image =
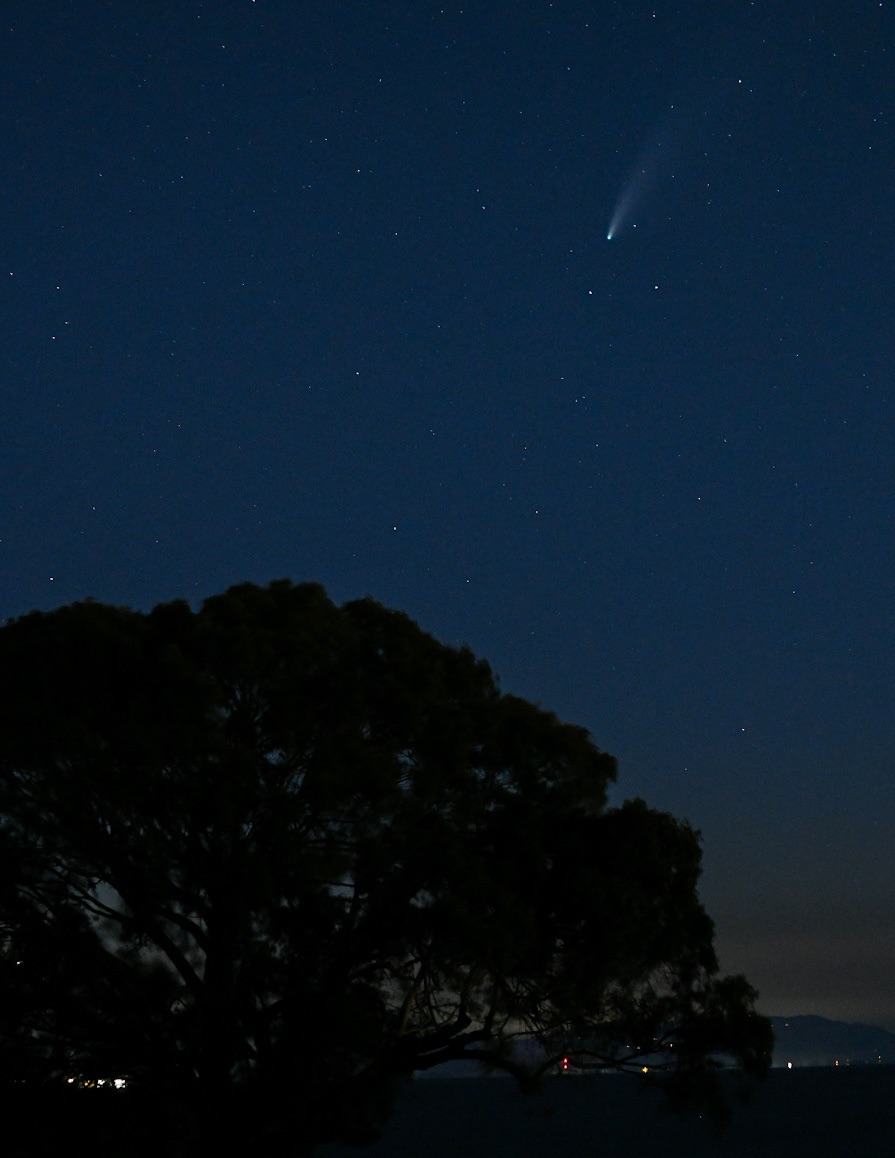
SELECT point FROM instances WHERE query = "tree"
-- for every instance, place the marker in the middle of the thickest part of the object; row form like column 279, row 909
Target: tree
column 274, row 856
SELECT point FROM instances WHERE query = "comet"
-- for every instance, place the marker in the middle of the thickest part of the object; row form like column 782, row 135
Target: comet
column 653, row 160
column 632, row 190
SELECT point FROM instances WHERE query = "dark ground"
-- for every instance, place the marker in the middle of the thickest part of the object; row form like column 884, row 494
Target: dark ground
column 802, row 1113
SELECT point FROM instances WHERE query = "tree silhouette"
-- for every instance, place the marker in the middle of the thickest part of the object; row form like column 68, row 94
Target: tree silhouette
column 272, row 857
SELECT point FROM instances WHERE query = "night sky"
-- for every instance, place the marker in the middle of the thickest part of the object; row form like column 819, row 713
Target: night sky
column 323, row 289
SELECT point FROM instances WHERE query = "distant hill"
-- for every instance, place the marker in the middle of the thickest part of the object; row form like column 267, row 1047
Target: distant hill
column 816, row 1041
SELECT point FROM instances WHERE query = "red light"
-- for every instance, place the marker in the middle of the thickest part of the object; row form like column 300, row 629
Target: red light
column 565, row 1063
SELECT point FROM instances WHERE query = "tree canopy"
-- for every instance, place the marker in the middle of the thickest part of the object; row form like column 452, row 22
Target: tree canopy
column 273, row 856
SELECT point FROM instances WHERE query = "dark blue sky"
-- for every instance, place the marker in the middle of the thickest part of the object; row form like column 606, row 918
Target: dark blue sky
column 323, row 289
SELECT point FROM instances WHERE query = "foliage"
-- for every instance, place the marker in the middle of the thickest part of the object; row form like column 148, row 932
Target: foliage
column 272, row 857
